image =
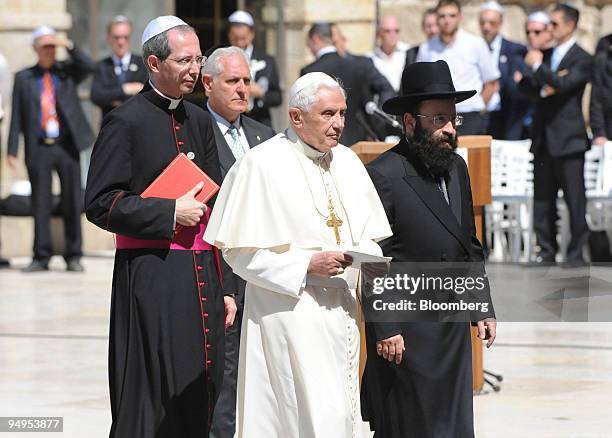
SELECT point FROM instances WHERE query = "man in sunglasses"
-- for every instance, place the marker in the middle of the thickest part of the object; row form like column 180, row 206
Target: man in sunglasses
column 556, row 80
column 537, row 30
column 418, row 377
column 172, row 297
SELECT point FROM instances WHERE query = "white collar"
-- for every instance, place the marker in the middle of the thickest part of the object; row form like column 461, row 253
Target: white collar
column 399, row 47
column 173, row 102
column 496, row 43
column 305, row 148
column 222, row 121
column 325, row 51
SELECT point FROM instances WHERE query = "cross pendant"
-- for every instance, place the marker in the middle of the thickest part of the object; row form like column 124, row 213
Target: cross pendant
column 335, row 222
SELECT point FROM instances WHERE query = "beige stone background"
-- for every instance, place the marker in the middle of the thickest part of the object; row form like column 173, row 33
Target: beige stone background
column 284, row 24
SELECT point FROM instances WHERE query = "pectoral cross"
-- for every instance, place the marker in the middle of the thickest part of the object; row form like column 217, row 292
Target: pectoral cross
column 335, row 222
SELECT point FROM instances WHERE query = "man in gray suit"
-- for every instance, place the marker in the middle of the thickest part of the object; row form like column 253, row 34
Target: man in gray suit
column 227, row 80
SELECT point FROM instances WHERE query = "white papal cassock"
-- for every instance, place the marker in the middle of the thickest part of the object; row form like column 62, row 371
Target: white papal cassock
column 299, row 350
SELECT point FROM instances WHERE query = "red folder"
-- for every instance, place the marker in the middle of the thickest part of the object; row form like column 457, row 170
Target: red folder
column 180, row 176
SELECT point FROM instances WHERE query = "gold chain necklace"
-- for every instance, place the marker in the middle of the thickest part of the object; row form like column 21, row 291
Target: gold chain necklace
column 331, row 219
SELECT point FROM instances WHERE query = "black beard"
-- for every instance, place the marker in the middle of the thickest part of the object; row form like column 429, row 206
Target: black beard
column 434, row 153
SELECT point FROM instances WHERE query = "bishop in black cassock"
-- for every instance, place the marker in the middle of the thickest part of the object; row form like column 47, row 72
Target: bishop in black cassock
column 167, row 312
column 167, row 321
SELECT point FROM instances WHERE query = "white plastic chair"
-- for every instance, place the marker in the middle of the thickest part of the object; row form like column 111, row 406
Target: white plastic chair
column 509, row 218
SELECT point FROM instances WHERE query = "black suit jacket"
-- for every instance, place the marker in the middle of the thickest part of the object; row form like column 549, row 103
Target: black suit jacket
column 558, row 123
column 514, row 105
column 378, row 85
column 75, row 129
column 425, row 227
column 255, row 133
column 601, row 96
column 266, row 76
column 106, row 91
column 352, row 76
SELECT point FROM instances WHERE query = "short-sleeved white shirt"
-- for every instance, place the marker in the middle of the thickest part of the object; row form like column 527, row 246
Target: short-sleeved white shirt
column 470, row 63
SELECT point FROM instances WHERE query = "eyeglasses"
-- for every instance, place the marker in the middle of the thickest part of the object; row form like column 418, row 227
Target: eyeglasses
column 440, row 120
column 184, row 62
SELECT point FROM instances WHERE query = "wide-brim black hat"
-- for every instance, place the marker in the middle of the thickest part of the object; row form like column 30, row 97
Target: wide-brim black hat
column 425, row 81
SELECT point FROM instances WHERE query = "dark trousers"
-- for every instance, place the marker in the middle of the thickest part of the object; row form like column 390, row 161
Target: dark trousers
column 65, row 161
column 224, row 416
column 550, row 175
column 474, row 123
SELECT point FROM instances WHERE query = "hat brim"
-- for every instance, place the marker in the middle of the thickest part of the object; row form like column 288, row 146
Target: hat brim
column 398, row 105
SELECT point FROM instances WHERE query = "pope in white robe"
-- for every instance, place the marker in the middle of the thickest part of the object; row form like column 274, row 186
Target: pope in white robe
column 286, row 214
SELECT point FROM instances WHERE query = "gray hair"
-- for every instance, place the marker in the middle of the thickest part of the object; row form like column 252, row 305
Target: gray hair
column 159, row 44
column 213, row 66
column 303, row 92
column 118, row 19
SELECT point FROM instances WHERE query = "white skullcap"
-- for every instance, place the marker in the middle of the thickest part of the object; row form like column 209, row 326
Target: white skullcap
column 160, row 25
column 492, row 6
column 539, row 17
column 309, row 79
column 41, row 31
column 241, row 17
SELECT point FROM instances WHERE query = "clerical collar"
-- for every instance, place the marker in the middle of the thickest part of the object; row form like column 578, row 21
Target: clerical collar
column 306, row 149
column 173, row 103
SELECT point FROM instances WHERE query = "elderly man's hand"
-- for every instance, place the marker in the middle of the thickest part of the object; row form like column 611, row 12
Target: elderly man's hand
column 391, row 348
column 600, row 141
column 487, row 329
column 230, row 310
column 329, row 263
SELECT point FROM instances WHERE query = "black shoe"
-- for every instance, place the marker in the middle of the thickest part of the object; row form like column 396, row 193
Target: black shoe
column 4, row 263
column 74, row 265
column 37, row 266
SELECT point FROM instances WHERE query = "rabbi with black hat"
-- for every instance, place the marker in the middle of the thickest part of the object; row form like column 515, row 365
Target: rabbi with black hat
column 418, row 377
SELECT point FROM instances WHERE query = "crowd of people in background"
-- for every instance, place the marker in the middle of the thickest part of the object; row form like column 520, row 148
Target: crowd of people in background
column 517, row 85
column 521, row 92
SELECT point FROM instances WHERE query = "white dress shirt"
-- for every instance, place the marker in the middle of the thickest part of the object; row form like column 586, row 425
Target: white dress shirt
column 121, row 64
column 494, row 103
column 470, row 62
column 391, row 66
